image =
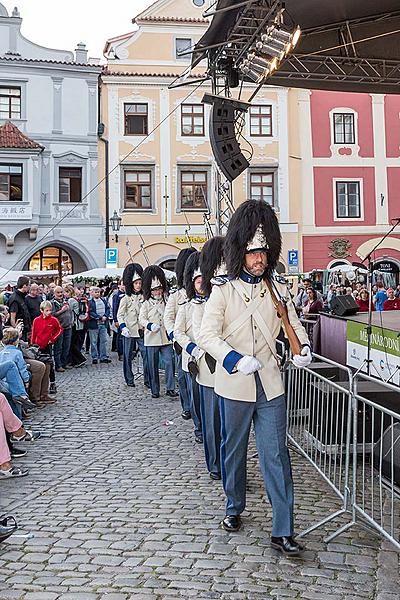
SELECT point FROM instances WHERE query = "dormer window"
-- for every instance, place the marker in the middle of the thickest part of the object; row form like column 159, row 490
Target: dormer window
column 10, row 103
column 181, row 45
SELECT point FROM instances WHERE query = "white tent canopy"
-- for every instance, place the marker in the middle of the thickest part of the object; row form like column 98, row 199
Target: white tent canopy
column 11, row 277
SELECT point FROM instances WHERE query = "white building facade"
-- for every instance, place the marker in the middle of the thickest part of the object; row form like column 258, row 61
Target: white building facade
column 49, row 215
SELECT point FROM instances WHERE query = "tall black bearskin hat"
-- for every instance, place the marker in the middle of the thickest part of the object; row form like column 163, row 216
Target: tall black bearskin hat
column 253, row 218
column 211, row 258
column 132, row 272
column 190, row 273
column 151, row 275
column 180, row 264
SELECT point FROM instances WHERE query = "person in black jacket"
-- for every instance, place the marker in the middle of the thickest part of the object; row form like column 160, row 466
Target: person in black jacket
column 18, row 308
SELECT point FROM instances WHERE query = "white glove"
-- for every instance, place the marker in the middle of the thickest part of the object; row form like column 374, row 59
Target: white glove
column 155, row 327
column 197, row 353
column 125, row 332
column 303, row 359
column 248, row 365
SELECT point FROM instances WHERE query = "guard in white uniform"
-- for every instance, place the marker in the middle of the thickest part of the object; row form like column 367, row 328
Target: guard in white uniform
column 175, row 299
column 239, row 329
column 128, row 319
column 151, row 318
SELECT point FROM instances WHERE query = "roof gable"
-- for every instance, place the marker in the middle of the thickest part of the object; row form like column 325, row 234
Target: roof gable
column 173, row 10
column 12, row 137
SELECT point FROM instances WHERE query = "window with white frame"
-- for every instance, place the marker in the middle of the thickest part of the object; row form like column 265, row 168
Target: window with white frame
column 10, row 182
column 193, row 189
column 10, row 103
column 137, row 189
column 136, row 118
column 262, row 186
column 343, row 128
column 181, row 45
column 261, row 120
column 348, row 200
column 192, row 119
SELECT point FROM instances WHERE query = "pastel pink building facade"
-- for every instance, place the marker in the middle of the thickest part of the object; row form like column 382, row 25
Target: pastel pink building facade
column 350, row 153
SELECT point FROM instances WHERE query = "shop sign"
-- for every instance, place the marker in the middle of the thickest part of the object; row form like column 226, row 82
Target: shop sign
column 194, row 239
column 385, row 350
column 386, row 267
column 9, row 213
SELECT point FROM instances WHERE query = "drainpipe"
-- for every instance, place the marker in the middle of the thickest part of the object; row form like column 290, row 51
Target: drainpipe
column 100, row 131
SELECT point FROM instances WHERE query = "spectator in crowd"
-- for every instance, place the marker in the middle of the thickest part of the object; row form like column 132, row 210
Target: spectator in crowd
column 80, row 314
column 17, row 306
column 349, row 291
column 46, row 329
column 156, row 341
column 302, row 297
column 75, row 358
column 397, row 292
column 363, row 301
column 41, row 292
column 62, row 311
column 33, row 300
column 313, row 305
column 12, row 384
column 99, row 313
column 116, row 297
column 380, row 297
column 392, row 303
column 10, row 423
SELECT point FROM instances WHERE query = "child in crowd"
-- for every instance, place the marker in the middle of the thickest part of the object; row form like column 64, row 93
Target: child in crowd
column 151, row 318
column 45, row 328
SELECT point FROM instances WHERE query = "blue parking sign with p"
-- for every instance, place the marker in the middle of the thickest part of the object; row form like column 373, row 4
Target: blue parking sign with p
column 293, row 258
column 112, row 256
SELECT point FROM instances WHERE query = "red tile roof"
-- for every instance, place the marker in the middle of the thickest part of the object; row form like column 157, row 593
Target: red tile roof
column 12, row 137
column 170, row 20
column 107, row 71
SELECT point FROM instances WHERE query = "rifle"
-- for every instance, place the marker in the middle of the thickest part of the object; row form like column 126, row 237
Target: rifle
column 282, row 312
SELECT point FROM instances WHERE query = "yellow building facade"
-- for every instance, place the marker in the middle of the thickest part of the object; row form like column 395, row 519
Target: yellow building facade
column 163, row 175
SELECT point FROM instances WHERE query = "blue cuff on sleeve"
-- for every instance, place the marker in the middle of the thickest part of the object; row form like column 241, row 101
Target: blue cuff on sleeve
column 230, row 360
column 190, row 347
column 148, row 326
column 122, row 325
column 171, row 336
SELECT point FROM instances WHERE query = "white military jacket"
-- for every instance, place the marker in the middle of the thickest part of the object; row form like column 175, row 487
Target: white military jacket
column 152, row 311
column 175, row 299
column 128, row 313
column 183, row 333
column 205, row 377
column 229, row 331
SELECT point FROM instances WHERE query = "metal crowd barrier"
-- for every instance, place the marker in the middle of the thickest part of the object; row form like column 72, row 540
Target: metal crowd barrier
column 319, row 425
column 376, row 461
column 352, row 441
column 310, row 324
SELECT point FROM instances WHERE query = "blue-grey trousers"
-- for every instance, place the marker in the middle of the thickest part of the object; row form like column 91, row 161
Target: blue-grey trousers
column 269, row 418
column 211, row 427
column 153, row 356
column 130, row 345
column 184, row 393
column 194, row 406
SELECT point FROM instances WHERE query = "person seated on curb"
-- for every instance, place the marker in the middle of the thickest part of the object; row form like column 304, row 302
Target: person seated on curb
column 11, row 352
column 9, row 422
column 12, row 382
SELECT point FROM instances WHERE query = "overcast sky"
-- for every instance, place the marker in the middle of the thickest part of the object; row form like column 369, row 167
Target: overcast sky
column 62, row 24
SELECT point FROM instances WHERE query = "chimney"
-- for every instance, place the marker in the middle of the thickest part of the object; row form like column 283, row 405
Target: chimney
column 81, row 54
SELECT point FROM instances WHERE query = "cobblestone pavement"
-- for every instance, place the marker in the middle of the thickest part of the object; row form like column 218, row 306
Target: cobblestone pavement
column 121, row 507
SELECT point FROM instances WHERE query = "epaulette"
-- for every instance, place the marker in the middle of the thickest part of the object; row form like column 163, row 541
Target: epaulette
column 281, row 279
column 182, row 303
column 199, row 300
column 173, row 291
column 220, row 280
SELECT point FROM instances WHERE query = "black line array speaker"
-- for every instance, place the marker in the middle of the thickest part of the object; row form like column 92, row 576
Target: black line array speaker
column 344, row 306
column 225, row 146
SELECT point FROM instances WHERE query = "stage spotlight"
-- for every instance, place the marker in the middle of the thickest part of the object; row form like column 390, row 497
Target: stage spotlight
column 271, row 47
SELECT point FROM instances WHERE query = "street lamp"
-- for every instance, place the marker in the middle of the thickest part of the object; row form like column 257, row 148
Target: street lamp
column 115, row 221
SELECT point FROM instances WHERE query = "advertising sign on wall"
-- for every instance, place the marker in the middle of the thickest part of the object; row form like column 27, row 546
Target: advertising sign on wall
column 385, row 350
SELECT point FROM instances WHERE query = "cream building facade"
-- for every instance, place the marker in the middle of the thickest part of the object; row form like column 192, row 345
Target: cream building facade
column 163, row 174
